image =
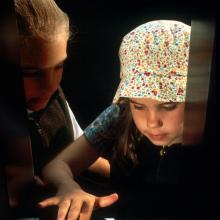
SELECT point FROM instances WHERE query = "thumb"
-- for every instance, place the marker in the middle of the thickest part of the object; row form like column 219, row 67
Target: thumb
column 105, row 201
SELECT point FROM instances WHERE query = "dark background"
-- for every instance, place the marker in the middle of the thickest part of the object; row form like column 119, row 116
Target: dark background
column 91, row 73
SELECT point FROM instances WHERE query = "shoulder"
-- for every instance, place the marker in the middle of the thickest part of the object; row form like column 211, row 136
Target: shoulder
column 100, row 128
column 108, row 117
column 112, row 111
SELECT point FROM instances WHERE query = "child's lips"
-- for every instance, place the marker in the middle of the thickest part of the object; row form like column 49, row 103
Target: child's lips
column 159, row 136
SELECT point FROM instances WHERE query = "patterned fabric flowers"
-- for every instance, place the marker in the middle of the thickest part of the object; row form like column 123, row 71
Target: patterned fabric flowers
column 154, row 61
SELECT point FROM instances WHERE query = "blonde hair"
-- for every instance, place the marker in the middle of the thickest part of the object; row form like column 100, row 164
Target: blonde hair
column 40, row 19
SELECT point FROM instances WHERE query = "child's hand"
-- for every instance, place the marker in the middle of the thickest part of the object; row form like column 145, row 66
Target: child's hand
column 77, row 204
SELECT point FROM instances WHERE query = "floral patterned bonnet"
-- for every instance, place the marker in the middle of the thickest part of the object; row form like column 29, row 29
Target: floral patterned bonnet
column 154, row 61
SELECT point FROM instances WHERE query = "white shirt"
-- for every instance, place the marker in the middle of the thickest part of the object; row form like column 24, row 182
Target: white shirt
column 77, row 131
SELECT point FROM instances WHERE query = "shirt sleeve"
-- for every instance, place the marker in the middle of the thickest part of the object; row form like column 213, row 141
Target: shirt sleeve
column 77, row 131
column 97, row 132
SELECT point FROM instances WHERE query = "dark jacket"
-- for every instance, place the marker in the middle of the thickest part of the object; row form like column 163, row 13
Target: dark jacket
column 50, row 130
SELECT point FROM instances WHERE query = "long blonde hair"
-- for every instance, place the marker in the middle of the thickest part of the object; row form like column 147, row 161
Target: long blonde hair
column 40, row 19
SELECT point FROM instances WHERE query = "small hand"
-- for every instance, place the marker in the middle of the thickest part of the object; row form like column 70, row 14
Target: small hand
column 78, row 205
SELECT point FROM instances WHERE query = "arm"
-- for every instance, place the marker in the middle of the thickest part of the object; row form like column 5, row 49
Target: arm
column 71, row 199
column 100, row 166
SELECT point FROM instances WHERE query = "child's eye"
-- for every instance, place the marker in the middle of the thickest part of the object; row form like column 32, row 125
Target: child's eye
column 169, row 107
column 138, row 107
column 31, row 74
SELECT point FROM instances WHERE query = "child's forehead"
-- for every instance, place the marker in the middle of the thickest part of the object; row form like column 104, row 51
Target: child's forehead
column 43, row 55
column 148, row 101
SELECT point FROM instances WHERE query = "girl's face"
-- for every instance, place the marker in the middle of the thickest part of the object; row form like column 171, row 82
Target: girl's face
column 42, row 67
column 160, row 122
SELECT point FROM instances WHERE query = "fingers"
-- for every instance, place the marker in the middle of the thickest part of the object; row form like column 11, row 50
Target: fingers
column 63, row 209
column 105, row 201
column 49, row 202
column 86, row 210
column 74, row 211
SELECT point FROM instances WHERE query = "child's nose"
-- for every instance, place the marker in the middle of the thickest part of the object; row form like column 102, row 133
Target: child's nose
column 153, row 120
column 50, row 82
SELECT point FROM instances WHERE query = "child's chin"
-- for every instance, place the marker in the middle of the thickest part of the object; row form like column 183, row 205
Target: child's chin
column 159, row 143
column 37, row 106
